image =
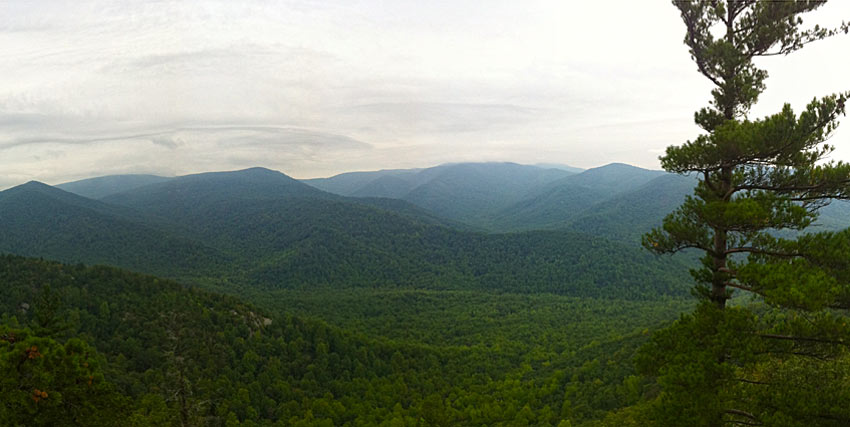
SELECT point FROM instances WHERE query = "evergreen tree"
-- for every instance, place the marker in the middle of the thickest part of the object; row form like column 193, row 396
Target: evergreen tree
column 762, row 182
column 47, row 383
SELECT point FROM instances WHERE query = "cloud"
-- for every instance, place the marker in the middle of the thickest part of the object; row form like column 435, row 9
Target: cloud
column 189, row 149
column 281, row 135
column 196, row 56
column 167, row 142
column 435, row 117
column 320, row 87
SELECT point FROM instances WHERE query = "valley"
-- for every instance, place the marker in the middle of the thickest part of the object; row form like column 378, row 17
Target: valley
column 307, row 213
column 463, row 301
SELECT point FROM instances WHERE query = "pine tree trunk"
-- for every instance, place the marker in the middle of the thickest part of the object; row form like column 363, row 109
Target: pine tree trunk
column 718, row 283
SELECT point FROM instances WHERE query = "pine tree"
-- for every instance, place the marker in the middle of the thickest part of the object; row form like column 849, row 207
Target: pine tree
column 47, row 383
column 761, row 184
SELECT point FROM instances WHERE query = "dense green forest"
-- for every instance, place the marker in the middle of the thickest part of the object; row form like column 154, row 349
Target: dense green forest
column 342, row 311
column 137, row 350
column 349, row 311
column 365, row 312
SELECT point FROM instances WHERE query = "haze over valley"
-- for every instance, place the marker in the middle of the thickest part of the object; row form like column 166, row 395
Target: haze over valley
column 434, row 266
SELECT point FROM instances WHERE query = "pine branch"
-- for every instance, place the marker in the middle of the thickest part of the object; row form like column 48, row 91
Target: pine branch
column 743, row 288
column 755, row 250
column 695, row 46
column 785, row 189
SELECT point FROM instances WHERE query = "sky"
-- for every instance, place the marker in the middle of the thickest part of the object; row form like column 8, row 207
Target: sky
column 314, row 88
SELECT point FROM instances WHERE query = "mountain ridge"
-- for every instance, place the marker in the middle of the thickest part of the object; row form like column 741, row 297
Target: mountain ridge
column 103, row 186
column 296, row 241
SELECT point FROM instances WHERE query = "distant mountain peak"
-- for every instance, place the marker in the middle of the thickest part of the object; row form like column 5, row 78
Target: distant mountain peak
column 185, row 193
column 560, row 166
column 38, row 191
column 34, row 186
column 618, row 165
column 253, row 172
column 259, row 169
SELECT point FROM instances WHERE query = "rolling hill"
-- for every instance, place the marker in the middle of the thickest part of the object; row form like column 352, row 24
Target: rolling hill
column 43, row 221
column 629, row 215
column 456, row 320
column 615, row 201
column 261, row 228
column 368, row 265
column 184, row 194
column 557, row 203
column 465, row 192
column 248, row 184
column 501, row 197
column 351, row 183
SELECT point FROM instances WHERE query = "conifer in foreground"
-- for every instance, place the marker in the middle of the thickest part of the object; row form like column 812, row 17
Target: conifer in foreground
column 779, row 357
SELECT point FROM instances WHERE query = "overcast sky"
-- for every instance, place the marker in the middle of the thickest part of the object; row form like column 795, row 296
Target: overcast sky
column 314, row 88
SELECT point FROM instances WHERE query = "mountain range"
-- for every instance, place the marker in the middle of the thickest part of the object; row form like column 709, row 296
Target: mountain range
column 258, row 227
column 616, row 201
column 491, row 226
column 513, row 288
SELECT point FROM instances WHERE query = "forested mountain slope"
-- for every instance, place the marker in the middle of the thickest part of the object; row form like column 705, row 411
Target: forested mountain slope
column 628, row 216
column 199, row 189
column 556, row 204
column 834, row 216
column 193, row 192
column 466, row 192
column 616, row 201
column 534, row 327
column 504, row 196
column 40, row 220
column 295, row 242
column 190, row 358
column 352, row 183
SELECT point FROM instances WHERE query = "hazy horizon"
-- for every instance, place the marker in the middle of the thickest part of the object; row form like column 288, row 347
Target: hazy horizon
column 540, row 165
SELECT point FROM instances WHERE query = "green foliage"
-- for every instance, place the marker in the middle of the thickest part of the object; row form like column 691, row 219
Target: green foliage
column 561, row 203
column 169, row 355
column 455, row 323
column 737, row 365
column 626, row 217
column 47, row 383
column 511, row 323
column 759, row 180
column 692, row 372
column 39, row 220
